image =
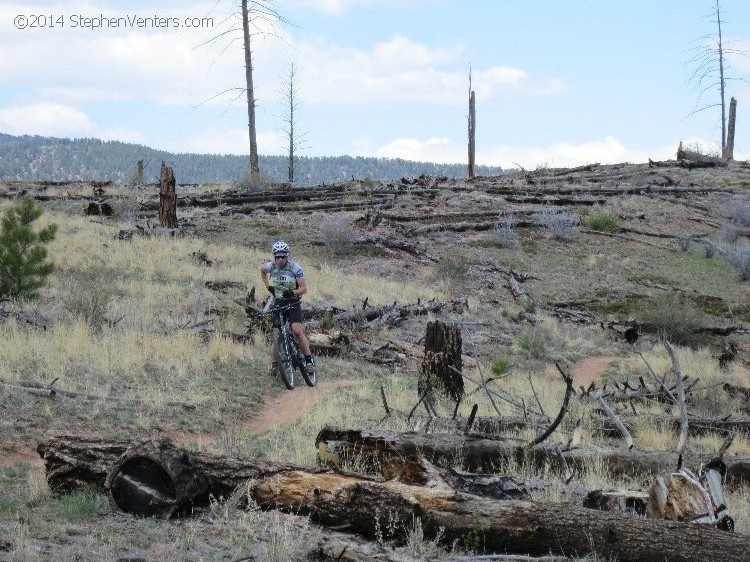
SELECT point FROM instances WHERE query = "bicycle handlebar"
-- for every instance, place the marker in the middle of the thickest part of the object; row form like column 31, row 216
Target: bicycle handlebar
column 269, row 308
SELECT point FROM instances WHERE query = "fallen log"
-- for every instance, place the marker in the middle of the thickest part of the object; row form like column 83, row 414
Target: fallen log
column 156, row 478
column 475, row 453
column 698, row 425
column 345, row 548
column 72, row 463
column 389, row 509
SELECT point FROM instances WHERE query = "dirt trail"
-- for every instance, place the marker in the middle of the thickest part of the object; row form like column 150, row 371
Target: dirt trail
column 289, row 406
column 591, row 369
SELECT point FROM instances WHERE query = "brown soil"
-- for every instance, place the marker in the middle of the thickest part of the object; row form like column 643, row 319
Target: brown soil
column 288, row 407
column 591, row 369
column 13, row 452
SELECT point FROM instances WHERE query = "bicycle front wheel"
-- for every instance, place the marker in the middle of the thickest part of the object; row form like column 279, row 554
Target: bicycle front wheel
column 309, row 373
column 284, row 365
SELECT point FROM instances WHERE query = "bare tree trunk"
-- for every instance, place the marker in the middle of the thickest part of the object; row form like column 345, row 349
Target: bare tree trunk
column 254, row 167
column 290, row 94
column 721, row 85
column 167, row 197
column 442, row 350
column 729, row 155
column 472, row 134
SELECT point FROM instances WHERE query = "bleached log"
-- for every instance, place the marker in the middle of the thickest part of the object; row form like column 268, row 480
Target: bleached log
column 386, row 509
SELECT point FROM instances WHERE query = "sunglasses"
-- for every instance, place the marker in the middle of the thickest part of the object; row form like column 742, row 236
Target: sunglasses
column 279, row 257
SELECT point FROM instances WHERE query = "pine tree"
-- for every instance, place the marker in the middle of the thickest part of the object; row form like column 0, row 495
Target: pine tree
column 23, row 269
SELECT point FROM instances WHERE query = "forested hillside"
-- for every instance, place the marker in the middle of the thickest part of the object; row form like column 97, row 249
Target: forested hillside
column 46, row 158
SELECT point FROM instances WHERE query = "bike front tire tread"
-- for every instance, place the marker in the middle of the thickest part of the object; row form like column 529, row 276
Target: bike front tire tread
column 284, row 365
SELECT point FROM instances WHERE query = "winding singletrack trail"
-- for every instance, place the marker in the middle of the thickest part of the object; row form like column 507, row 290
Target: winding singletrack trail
column 289, row 406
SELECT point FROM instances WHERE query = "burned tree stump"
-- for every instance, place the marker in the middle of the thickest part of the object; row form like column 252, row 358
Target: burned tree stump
column 167, row 197
column 441, row 365
column 99, row 208
column 155, row 479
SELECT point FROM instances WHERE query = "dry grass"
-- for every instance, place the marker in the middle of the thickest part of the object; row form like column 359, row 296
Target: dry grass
column 142, row 345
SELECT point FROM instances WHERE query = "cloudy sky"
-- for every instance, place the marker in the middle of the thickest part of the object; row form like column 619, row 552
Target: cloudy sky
column 557, row 83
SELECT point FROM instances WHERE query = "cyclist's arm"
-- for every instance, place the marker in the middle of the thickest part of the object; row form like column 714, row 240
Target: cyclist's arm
column 301, row 287
column 264, row 275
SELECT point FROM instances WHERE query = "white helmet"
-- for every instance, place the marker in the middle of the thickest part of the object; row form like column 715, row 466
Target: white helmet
column 280, row 247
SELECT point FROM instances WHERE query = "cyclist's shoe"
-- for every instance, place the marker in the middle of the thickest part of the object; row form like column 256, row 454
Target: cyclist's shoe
column 310, row 365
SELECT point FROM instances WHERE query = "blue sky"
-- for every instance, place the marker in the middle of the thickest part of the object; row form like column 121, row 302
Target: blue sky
column 557, row 83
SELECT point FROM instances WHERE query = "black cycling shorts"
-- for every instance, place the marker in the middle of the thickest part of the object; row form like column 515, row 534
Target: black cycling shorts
column 294, row 313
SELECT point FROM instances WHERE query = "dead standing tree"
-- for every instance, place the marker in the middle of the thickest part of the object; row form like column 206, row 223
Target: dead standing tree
column 711, row 70
column 472, row 130
column 259, row 18
column 254, row 166
column 441, row 365
column 290, row 96
column 167, row 197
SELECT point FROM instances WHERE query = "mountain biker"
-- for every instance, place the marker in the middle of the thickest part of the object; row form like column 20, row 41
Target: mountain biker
column 285, row 280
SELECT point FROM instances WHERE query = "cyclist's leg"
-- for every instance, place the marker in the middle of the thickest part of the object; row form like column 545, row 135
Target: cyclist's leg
column 295, row 320
column 299, row 333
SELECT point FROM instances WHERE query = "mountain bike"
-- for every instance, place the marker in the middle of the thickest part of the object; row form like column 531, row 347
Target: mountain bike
column 286, row 351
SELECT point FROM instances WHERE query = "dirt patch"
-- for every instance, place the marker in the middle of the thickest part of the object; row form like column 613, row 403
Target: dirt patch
column 288, row 407
column 589, row 370
column 14, row 452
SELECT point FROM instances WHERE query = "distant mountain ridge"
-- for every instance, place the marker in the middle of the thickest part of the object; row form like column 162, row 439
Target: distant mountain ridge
column 40, row 158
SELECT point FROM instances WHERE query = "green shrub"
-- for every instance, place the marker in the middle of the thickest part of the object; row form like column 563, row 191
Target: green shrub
column 328, row 322
column 339, row 237
column 500, row 366
column 23, row 269
column 89, row 297
column 534, row 342
column 672, row 317
column 602, row 222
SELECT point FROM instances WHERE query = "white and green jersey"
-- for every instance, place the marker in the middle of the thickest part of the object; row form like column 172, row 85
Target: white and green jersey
column 285, row 277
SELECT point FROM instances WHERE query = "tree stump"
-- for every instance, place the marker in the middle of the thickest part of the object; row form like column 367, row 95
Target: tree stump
column 155, row 479
column 441, row 365
column 167, row 197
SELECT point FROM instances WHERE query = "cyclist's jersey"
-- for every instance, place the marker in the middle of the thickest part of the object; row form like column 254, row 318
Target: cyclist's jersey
column 283, row 277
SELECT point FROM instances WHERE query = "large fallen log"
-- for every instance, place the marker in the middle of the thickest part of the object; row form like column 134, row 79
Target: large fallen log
column 389, row 510
column 345, row 548
column 127, row 468
column 72, row 462
column 475, row 453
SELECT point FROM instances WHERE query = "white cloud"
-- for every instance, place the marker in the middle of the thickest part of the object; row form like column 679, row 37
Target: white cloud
column 75, row 94
column 230, row 140
column 433, row 149
column 610, row 150
column 403, row 70
column 47, row 119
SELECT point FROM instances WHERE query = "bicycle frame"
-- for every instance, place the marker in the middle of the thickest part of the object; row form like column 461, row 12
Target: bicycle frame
column 286, row 350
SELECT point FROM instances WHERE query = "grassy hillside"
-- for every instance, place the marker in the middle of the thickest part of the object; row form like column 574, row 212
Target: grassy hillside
column 154, row 322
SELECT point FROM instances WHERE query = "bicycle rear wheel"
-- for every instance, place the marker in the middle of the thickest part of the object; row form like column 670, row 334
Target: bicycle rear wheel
column 284, row 365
